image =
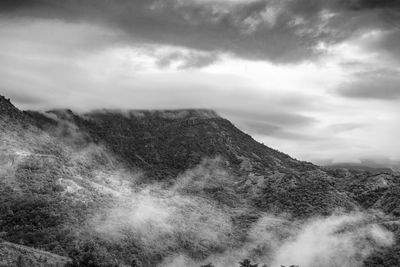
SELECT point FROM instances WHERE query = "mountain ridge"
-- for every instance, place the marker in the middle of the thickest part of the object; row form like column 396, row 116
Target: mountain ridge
column 70, row 167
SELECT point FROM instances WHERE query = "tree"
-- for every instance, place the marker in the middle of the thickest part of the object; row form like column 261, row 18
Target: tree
column 247, row 263
column 20, row 261
column 135, row 262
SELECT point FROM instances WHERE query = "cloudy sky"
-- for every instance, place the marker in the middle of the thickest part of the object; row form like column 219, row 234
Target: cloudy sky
column 317, row 79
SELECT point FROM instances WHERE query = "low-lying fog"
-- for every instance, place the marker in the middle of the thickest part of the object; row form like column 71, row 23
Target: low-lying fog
column 169, row 219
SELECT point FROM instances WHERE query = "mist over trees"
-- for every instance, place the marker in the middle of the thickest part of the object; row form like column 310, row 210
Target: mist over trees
column 182, row 189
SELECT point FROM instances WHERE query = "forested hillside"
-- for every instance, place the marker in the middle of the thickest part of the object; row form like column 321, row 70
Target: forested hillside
column 183, row 188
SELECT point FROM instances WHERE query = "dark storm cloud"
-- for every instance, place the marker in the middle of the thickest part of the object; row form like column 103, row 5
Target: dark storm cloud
column 386, row 21
column 187, row 60
column 12, row 5
column 280, row 31
column 371, row 4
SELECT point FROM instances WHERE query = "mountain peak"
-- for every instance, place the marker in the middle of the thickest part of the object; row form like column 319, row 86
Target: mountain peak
column 7, row 108
column 4, row 101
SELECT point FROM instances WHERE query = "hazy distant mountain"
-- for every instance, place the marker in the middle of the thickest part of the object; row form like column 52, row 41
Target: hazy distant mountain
column 183, row 188
column 359, row 166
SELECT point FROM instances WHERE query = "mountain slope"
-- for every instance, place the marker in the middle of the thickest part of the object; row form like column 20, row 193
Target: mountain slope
column 176, row 140
column 104, row 187
column 166, row 143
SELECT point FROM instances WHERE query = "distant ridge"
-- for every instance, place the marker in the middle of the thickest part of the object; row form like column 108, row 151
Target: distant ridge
column 358, row 166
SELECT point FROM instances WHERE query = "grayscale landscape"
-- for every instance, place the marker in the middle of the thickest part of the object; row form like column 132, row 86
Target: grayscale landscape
column 199, row 133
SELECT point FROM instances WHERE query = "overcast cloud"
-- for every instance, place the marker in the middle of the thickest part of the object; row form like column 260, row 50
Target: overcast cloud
column 317, row 79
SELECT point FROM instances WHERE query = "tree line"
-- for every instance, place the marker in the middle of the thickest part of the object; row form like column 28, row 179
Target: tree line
column 247, row 263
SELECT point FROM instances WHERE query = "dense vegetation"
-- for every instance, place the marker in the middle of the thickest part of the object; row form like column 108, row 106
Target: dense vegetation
column 60, row 172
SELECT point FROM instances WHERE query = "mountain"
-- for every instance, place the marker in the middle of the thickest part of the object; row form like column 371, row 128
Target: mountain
column 166, row 143
column 155, row 188
column 8, row 109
